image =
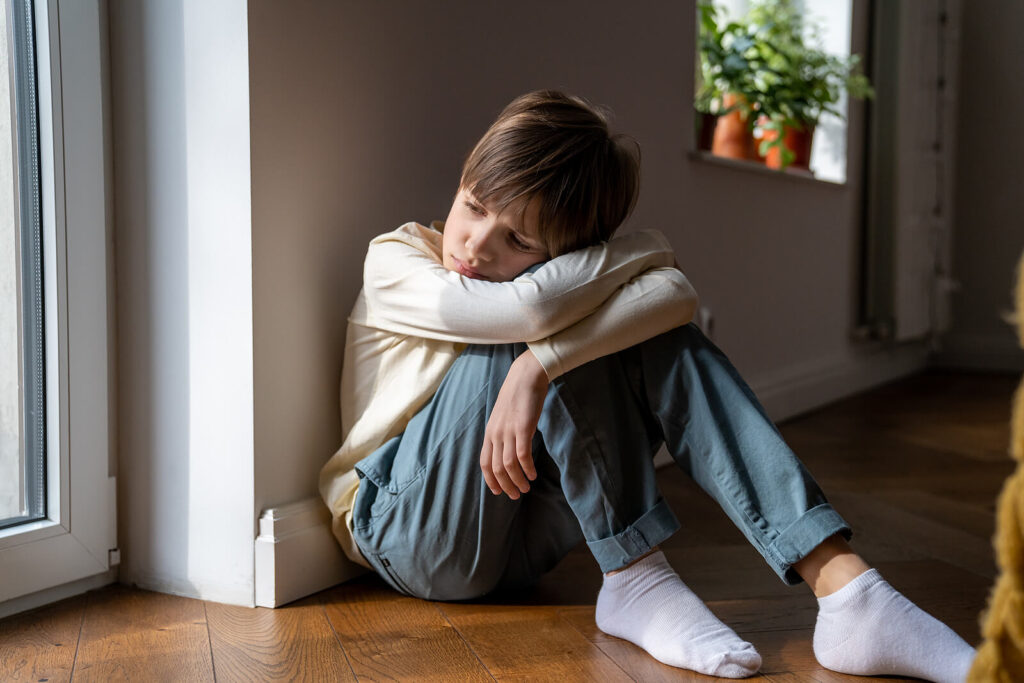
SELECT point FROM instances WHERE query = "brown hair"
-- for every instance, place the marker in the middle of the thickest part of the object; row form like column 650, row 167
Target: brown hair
column 556, row 149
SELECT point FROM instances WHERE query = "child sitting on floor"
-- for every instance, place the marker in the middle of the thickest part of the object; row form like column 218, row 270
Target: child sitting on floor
column 509, row 375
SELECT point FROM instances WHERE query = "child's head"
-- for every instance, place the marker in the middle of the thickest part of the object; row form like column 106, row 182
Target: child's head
column 552, row 170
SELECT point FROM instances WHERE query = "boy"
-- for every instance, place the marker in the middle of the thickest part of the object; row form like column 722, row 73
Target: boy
column 508, row 377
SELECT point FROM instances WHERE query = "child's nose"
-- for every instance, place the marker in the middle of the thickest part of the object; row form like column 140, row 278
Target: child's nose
column 480, row 243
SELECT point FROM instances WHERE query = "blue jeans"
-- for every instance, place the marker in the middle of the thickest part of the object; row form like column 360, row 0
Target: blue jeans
column 427, row 523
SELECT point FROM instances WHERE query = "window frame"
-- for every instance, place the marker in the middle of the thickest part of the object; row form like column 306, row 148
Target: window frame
column 74, row 541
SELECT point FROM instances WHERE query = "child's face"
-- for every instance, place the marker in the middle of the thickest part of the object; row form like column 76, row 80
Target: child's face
column 484, row 245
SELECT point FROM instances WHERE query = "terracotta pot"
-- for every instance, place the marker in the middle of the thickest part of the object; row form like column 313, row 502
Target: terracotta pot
column 795, row 140
column 705, row 130
column 733, row 138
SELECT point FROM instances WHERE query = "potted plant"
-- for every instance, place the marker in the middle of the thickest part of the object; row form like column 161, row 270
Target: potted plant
column 801, row 84
column 732, row 59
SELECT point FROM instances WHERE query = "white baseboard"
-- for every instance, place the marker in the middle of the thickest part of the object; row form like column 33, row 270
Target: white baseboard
column 297, row 554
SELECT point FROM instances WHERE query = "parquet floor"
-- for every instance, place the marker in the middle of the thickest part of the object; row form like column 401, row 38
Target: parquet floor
column 914, row 466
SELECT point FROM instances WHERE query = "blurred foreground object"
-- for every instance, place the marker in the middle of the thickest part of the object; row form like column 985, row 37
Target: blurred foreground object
column 1001, row 655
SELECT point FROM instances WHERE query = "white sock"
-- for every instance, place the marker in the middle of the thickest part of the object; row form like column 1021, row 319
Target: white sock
column 868, row 628
column 649, row 605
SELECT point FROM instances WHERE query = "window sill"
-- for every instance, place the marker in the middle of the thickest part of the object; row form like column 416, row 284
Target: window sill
column 797, row 175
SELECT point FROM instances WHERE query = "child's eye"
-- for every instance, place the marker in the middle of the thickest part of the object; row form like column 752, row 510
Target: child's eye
column 476, row 208
column 518, row 243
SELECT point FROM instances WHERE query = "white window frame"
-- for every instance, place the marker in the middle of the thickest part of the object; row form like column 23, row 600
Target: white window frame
column 73, row 544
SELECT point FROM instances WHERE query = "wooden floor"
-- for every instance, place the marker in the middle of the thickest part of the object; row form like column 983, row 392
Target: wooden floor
column 914, row 467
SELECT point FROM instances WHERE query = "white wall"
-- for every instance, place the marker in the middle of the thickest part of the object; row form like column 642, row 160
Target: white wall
column 181, row 157
column 989, row 231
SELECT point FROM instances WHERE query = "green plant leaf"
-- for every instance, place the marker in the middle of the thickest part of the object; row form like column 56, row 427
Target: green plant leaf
column 765, row 58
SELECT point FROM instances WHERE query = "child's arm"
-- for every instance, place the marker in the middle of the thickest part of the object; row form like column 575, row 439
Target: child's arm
column 408, row 291
column 656, row 302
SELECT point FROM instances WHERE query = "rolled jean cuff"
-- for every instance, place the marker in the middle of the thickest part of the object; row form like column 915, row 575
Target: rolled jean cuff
column 636, row 540
column 801, row 537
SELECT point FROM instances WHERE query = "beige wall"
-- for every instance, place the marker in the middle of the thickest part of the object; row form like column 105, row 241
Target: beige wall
column 304, row 263
column 989, row 230
column 361, row 115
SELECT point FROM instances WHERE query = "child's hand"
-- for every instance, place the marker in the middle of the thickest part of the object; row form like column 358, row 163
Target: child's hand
column 506, row 459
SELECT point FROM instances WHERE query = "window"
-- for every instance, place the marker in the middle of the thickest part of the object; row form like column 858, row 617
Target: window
column 765, row 64
column 59, row 536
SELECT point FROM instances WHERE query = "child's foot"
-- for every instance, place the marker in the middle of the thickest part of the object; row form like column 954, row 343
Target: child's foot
column 869, row 628
column 649, row 605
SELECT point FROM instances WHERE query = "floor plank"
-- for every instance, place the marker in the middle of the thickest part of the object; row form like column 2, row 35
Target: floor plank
column 979, row 521
column 291, row 643
column 733, row 572
column 517, row 642
column 135, row 635
column 875, row 517
column 391, row 637
column 783, row 650
column 796, row 610
column 818, row 676
column 581, row 618
column 40, row 645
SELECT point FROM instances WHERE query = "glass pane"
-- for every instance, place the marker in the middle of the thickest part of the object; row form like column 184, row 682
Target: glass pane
column 11, row 471
column 22, row 461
